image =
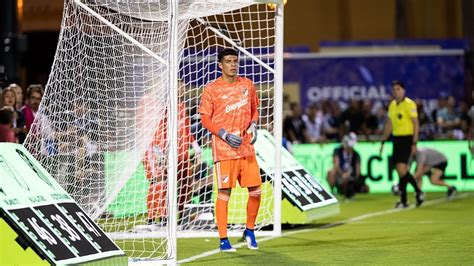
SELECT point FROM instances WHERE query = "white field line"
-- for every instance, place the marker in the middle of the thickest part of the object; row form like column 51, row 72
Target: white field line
column 416, row 222
column 351, row 220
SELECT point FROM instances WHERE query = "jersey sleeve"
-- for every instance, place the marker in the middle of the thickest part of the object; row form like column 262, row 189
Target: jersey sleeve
column 207, row 123
column 206, row 106
column 390, row 111
column 412, row 110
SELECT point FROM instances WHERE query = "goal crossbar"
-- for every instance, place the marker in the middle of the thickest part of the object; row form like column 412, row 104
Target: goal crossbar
column 121, row 32
column 234, row 44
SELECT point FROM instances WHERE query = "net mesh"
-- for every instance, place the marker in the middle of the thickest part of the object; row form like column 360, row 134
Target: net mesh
column 101, row 129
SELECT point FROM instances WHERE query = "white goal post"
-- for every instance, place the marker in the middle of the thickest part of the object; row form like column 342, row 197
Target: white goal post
column 118, row 125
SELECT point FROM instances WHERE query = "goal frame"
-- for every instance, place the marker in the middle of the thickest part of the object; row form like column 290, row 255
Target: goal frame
column 173, row 68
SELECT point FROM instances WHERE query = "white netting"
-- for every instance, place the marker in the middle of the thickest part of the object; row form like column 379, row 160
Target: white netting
column 101, row 128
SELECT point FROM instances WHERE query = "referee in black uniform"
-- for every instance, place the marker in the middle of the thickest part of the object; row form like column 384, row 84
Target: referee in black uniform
column 403, row 124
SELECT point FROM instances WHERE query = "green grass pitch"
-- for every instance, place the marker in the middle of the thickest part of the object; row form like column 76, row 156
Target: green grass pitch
column 367, row 231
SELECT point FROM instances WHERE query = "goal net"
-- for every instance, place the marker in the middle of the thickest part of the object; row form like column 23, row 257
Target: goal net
column 102, row 127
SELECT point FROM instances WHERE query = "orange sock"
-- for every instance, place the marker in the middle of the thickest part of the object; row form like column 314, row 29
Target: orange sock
column 221, row 213
column 156, row 200
column 253, row 205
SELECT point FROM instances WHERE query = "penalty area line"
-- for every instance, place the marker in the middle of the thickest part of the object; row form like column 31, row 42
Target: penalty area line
column 347, row 221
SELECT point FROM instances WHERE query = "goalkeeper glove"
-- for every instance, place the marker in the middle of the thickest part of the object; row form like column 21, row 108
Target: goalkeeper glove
column 252, row 130
column 233, row 140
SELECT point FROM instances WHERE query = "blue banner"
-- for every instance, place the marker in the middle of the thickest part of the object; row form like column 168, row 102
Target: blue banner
column 440, row 43
column 343, row 77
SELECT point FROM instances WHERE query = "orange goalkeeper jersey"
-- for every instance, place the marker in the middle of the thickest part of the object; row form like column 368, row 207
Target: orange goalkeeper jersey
column 160, row 144
column 231, row 106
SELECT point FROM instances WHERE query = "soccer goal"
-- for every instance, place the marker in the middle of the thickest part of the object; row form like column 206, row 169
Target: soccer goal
column 119, row 128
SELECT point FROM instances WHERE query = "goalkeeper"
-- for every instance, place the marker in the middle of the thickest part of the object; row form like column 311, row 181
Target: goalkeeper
column 229, row 110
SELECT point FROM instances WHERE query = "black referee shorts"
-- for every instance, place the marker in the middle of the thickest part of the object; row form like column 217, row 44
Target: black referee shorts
column 402, row 149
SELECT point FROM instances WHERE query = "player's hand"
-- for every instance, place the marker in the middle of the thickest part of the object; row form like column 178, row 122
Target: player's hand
column 231, row 139
column 252, row 130
column 346, row 175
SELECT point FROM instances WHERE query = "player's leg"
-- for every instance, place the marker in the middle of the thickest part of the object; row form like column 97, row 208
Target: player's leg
column 156, row 198
column 226, row 178
column 331, row 178
column 425, row 171
column 361, row 186
column 435, row 178
column 156, row 201
column 410, row 179
column 401, row 154
column 250, row 177
column 402, row 171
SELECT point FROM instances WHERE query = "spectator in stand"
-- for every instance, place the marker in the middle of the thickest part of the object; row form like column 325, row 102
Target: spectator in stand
column 294, row 127
column 353, row 117
column 465, row 118
column 427, row 127
column 8, row 99
column 470, row 135
column 448, row 119
column 34, row 95
column 333, row 121
column 286, row 105
column 381, row 117
column 370, row 123
column 7, row 116
column 442, row 102
column 313, row 120
column 19, row 95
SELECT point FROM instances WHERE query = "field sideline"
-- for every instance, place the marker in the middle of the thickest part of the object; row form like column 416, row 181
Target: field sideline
column 367, row 231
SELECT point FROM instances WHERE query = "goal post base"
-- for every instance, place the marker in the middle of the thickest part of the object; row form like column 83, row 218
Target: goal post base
column 182, row 234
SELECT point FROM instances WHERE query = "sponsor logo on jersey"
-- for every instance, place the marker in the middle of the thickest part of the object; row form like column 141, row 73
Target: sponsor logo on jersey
column 245, row 91
column 235, row 106
column 225, row 179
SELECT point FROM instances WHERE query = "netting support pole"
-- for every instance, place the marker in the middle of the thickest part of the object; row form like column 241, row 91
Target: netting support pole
column 173, row 131
column 234, row 44
column 121, row 32
column 278, row 118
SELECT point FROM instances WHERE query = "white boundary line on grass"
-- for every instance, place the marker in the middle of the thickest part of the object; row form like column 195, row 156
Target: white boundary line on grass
column 350, row 220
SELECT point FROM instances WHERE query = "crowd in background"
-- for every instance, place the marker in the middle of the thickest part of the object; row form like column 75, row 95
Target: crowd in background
column 319, row 122
column 327, row 121
column 17, row 112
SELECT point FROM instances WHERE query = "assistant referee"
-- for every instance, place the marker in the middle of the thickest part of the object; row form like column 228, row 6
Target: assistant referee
column 403, row 124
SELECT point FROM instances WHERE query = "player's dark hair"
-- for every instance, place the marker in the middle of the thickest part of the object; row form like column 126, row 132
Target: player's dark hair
column 399, row 83
column 226, row 51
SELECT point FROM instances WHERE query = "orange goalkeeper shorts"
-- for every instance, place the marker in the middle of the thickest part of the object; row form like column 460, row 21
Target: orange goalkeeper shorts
column 245, row 170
